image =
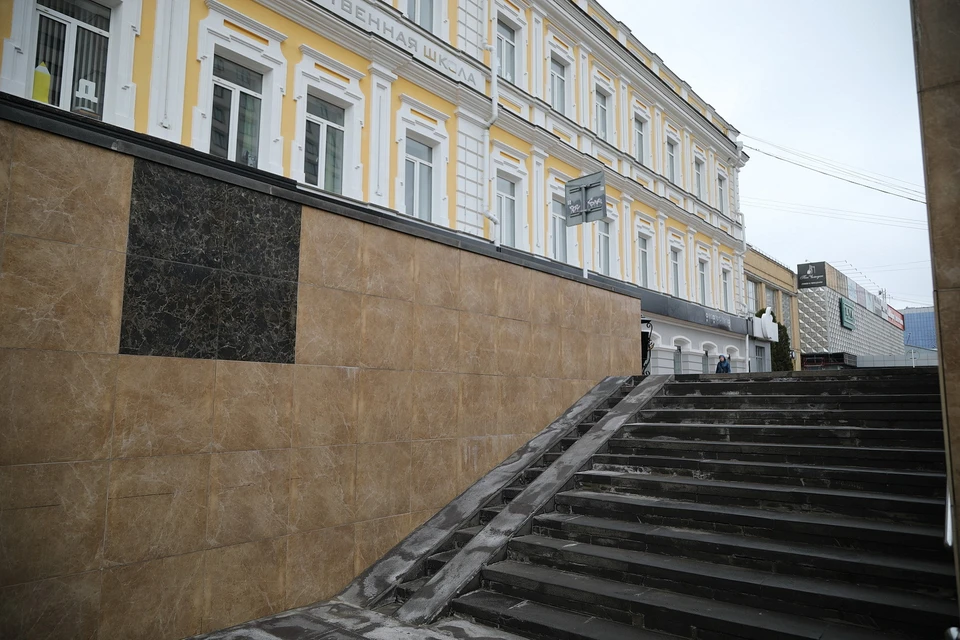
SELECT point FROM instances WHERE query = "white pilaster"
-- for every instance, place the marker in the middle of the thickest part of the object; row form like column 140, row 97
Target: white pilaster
column 380, row 134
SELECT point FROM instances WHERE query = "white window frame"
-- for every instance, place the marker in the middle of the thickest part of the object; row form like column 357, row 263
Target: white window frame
column 502, row 47
column 412, row 13
column 218, row 38
column 676, row 270
column 120, row 92
column 555, row 78
column 726, row 283
column 235, row 91
column 556, row 181
column 703, row 282
column 424, row 124
column 645, row 260
column 753, row 289
column 326, row 81
column 641, row 134
column 671, row 164
column 557, row 221
column 558, row 50
column 607, row 120
column 502, row 200
column 723, row 196
column 699, row 164
column 510, row 164
column 601, row 267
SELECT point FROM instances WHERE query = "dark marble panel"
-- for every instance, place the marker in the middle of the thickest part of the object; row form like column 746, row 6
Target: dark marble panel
column 261, row 234
column 175, row 215
column 169, row 309
column 257, row 319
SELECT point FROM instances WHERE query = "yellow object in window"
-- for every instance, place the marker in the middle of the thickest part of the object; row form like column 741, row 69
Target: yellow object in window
column 41, row 83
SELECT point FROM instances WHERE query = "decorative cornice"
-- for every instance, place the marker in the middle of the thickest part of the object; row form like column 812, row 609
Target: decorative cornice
column 330, row 63
column 244, row 21
column 424, row 108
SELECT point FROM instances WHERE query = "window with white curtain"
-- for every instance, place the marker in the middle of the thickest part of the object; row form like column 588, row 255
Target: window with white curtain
column 506, row 51
column 558, row 231
column 421, row 12
column 507, row 211
column 70, row 62
column 603, row 247
column 418, row 179
column 323, row 148
column 235, row 114
column 643, row 258
column 558, row 86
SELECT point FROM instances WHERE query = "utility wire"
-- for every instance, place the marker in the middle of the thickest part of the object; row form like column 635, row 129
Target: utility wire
column 828, row 209
column 839, row 214
column 835, row 217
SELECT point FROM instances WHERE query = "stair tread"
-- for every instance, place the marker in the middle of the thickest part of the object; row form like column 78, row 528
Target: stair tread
column 753, row 543
column 508, row 608
column 819, row 448
column 779, row 427
column 800, row 517
column 693, row 607
column 757, row 579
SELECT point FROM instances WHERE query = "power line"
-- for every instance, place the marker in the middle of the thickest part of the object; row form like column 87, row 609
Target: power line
column 831, row 175
column 802, row 207
column 836, row 217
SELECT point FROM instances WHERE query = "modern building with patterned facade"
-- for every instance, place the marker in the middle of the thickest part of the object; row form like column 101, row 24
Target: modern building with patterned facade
column 919, row 327
column 465, row 114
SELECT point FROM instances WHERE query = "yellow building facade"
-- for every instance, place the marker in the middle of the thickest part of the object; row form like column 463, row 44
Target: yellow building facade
column 772, row 284
column 466, row 114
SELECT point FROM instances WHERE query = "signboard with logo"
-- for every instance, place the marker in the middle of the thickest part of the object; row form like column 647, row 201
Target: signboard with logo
column 894, row 317
column 586, row 199
column 848, row 318
column 812, row 274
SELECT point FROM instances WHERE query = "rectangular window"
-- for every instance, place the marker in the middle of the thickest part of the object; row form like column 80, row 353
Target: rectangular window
column 771, row 299
column 639, row 142
column 419, row 179
column 70, row 66
column 643, row 257
column 558, row 86
column 421, row 12
column 603, row 247
column 753, row 295
column 600, row 115
column 672, row 161
column 507, row 211
column 725, row 281
column 558, row 231
column 675, row 272
column 235, row 116
column 702, row 282
column 722, row 193
column 323, row 148
column 698, row 179
column 506, row 51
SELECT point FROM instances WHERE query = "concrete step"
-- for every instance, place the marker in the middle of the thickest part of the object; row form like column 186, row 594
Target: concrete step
column 465, row 535
column 756, row 494
column 787, row 434
column 902, row 419
column 915, row 483
column 407, row 589
column 924, row 386
column 788, row 558
column 878, row 457
column 535, row 620
column 893, row 401
column 819, row 528
column 437, row 560
column 660, row 610
column 797, row 595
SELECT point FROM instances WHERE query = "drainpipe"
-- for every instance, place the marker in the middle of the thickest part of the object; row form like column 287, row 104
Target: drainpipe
column 488, row 171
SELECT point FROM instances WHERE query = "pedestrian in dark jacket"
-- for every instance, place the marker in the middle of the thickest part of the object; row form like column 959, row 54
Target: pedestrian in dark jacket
column 723, row 366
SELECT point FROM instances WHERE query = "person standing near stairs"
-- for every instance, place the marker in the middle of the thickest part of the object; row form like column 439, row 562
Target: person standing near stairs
column 724, row 365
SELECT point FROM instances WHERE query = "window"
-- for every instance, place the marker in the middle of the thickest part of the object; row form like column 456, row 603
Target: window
column 506, row 51
column 507, row 211
column 421, row 12
column 643, row 257
column 759, row 358
column 675, row 272
column 698, row 178
column 639, row 143
column 722, row 193
column 558, row 231
column 603, row 247
column 323, row 150
column 725, row 282
column 702, row 282
column 419, row 179
column 70, row 66
column 672, row 161
column 235, row 116
column 558, row 86
column 786, row 317
column 753, row 295
column 600, row 115
column 771, row 299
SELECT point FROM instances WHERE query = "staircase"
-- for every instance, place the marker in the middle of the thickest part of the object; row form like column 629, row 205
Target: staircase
column 738, row 507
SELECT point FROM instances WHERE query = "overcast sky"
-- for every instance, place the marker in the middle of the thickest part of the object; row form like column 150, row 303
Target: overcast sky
column 833, row 78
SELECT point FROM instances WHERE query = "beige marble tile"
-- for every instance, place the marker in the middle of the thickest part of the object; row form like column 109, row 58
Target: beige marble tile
column 388, row 263
column 249, row 496
column 545, row 351
column 573, row 304
column 323, row 487
column 515, row 299
column 51, row 519
column 153, row 600
column 479, row 283
column 545, row 303
column 476, row 458
column 599, row 311
column 157, row 507
column 513, row 347
column 164, row 406
column 243, row 582
column 935, row 26
column 383, row 480
column 477, row 343
column 319, row 564
column 253, row 407
column 385, row 406
column 434, row 473
column 598, row 356
column 941, row 148
column 574, row 345
column 436, row 340
column 8, row 135
column 518, row 404
column 330, row 250
column 54, row 609
column 436, row 403
column 376, row 537
column 65, row 190
column 437, row 270
column 55, row 406
column 60, row 296
column 328, row 327
column 388, row 333
column 479, row 413
column 324, row 406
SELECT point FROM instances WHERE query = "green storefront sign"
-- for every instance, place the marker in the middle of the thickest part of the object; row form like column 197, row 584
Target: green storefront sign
column 847, row 317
